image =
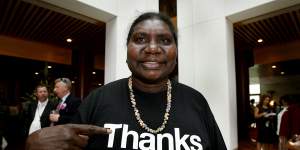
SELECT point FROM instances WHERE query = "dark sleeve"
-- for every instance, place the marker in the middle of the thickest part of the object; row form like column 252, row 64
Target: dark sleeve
column 28, row 117
column 215, row 136
column 45, row 121
column 284, row 129
column 211, row 129
column 72, row 110
column 87, row 108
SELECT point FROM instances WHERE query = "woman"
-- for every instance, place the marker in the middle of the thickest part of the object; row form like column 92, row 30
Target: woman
column 146, row 110
column 265, row 120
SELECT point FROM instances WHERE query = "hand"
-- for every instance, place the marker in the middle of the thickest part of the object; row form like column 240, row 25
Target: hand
column 270, row 115
column 54, row 117
column 63, row 137
column 264, row 114
column 294, row 143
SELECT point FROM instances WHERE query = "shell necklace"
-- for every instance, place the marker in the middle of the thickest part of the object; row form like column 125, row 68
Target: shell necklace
column 137, row 114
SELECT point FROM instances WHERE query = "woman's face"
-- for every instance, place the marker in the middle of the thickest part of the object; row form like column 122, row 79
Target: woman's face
column 266, row 101
column 152, row 52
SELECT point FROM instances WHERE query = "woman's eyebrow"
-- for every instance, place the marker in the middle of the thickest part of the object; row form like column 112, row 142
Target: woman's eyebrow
column 139, row 33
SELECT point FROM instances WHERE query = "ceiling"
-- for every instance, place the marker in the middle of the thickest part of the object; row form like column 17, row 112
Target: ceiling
column 274, row 28
column 38, row 21
column 35, row 20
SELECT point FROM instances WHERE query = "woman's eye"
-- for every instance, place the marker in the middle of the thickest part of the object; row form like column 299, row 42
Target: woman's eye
column 140, row 39
column 165, row 41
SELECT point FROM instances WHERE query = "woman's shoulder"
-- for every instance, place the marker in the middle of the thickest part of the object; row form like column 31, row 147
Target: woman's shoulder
column 188, row 93
column 186, row 89
column 112, row 86
column 108, row 90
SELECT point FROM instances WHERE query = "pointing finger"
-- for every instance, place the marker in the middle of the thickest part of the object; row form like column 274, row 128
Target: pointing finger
column 88, row 129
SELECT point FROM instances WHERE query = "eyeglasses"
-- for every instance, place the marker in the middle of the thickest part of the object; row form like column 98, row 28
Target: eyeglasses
column 63, row 80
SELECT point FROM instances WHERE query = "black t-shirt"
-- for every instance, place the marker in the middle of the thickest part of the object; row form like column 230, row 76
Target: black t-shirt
column 191, row 125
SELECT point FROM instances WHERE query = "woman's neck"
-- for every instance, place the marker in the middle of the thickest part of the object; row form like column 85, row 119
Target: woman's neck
column 149, row 87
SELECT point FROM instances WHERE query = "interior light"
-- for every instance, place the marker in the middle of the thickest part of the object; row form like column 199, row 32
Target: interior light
column 274, row 66
column 99, row 84
column 49, row 67
column 282, row 73
column 36, row 73
column 73, row 82
column 93, row 72
column 260, row 40
column 69, row 40
column 272, row 102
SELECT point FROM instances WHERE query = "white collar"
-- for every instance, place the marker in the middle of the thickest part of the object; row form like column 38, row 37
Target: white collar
column 65, row 97
column 44, row 103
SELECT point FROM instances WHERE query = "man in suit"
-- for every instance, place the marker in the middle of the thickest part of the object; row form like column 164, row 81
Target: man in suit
column 68, row 104
column 39, row 110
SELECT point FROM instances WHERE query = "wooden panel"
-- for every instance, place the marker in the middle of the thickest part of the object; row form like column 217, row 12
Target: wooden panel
column 42, row 22
column 33, row 50
column 276, row 27
column 277, row 52
column 99, row 62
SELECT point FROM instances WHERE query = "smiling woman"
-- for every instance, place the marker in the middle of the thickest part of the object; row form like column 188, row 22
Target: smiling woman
column 147, row 110
column 152, row 50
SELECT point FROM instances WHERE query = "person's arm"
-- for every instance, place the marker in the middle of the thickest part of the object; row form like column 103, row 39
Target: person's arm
column 88, row 107
column 215, row 136
column 283, row 143
column 28, row 117
column 257, row 114
column 63, row 137
column 69, row 136
column 294, row 143
column 63, row 119
column 217, row 141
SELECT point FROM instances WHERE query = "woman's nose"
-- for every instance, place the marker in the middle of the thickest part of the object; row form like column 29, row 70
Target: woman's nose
column 153, row 47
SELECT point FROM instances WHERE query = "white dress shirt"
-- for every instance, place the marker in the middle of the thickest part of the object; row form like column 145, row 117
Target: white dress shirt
column 279, row 117
column 64, row 98
column 36, row 123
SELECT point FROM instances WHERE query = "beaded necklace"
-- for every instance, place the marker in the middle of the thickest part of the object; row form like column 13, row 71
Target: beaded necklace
column 137, row 114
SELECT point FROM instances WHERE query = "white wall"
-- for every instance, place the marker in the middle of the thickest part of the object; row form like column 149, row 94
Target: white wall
column 125, row 11
column 237, row 10
column 206, row 59
column 206, row 52
column 116, row 35
column 118, row 14
column 96, row 9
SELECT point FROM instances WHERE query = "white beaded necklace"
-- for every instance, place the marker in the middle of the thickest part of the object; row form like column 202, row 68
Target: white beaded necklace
column 137, row 114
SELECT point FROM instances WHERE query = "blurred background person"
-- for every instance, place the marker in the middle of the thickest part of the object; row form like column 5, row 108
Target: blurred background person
column 290, row 122
column 284, row 101
column 39, row 110
column 265, row 122
column 68, row 103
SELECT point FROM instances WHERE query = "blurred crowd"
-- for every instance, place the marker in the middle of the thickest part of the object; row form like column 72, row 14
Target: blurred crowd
column 276, row 122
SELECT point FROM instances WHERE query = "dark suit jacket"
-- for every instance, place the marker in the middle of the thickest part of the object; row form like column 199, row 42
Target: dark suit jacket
column 66, row 114
column 45, row 122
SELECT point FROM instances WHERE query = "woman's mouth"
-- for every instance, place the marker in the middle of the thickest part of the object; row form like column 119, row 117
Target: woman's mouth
column 151, row 65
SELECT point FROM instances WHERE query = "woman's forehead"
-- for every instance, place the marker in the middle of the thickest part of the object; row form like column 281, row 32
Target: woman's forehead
column 152, row 24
